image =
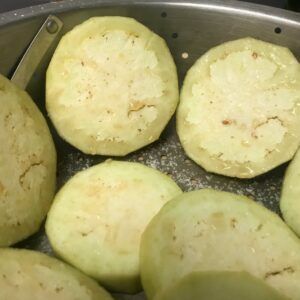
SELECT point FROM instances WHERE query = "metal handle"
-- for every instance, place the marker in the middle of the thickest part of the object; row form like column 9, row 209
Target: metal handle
column 36, row 51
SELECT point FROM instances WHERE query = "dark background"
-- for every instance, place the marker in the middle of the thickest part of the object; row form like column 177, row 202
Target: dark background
column 6, row 5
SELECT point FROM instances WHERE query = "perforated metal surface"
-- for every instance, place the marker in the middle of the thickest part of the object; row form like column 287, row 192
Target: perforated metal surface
column 190, row 28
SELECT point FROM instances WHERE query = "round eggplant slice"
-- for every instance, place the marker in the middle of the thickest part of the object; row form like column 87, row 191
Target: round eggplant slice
column 209, row 230
column 98, row 217
column 239, row 111
column 27, row 275
column 111, row 86
column 27, row 165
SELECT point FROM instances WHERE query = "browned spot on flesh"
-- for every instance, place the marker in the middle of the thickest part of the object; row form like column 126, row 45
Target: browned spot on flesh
column 2, row 189
column 84, row 234
column 94, row 190
column 259, row 227
column 269, row 119
column 279, row 272
column 137, row 106
column 217, row 220
column 22, row 176
column 225, row 54
column 58, row 289
column 25, row 110
column 253, row 134
column 7, row 118
column 228, row 122
column 220, row 154
column 254, row 55
column 233, row 222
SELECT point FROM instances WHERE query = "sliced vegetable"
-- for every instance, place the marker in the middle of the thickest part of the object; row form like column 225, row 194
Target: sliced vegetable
column 111, row 86
column 28, row 275
column 98, row 217
column 209, row 230
column 27, row 165
column 239, row 111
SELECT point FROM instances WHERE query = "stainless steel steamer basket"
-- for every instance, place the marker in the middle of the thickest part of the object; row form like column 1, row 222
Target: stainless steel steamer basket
column 189, row 27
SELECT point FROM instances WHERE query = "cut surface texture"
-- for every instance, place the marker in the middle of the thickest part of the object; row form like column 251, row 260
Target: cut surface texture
column 98, row 217
column 111, row 86
column 28, row 275
column 209, row 230
column 27, row 165
column 239, row 109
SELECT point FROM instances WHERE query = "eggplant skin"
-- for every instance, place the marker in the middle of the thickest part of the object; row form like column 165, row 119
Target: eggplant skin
column 239, row 110
column 27, row 165
column 27, row 275
column 111, row 86
column 209, row 230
